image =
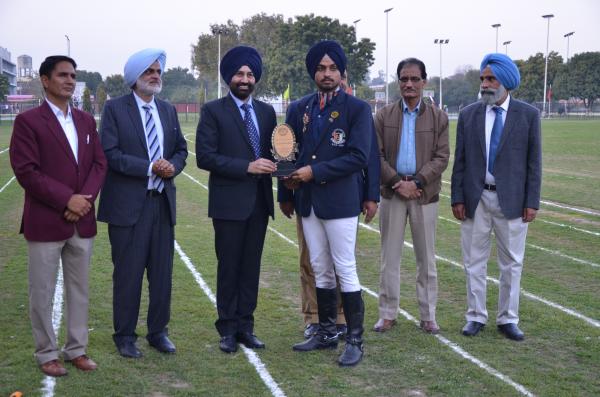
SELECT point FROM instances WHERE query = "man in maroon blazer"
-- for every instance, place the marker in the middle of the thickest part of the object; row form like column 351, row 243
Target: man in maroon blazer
column 58, row 160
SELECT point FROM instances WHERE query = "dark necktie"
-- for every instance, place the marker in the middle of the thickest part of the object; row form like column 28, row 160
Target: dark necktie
column 252, row 131
column 495, row 137
column 153, row 146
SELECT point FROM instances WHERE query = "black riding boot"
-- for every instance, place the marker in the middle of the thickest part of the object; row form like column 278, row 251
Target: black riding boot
column 354, row 310
column 326, row 337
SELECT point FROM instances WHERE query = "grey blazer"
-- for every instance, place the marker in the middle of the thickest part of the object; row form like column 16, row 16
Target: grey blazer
column 518, row 165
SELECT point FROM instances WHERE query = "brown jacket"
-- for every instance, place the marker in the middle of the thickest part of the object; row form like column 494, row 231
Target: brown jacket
column 431, row 143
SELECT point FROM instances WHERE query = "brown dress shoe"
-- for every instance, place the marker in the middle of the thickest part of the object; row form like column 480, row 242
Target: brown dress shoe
column 430, row 327
column 83, row 363
column 53, row 368
column 383, row 325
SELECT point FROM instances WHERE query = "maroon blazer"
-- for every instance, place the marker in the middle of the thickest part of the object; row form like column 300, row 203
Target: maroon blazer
column 45, row 167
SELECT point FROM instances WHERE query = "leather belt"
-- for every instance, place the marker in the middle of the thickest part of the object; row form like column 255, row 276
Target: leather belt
column 491, row 188
column 153, row 193
column 407, row 177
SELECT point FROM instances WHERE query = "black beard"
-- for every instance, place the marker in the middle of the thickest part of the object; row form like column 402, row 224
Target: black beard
column 241, row 94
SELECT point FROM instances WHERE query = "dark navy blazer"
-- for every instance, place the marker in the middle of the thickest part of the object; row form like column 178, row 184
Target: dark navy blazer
column 124, row 142
column 338, row 156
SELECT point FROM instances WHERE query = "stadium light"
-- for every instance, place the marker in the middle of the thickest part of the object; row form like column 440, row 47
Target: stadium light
column 386, row 53
column 68, row 45
column 568, row 36
column 548, row 17
column 496, row 26
column 440, row 42
column 356, row 31
column 505, row 44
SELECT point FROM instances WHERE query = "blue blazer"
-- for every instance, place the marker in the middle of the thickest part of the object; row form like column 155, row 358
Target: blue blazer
column 518, row 164
column 124, row 142
column 338, row 158
column 224, row 149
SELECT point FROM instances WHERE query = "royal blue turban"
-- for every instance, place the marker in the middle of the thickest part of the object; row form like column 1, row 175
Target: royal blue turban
column 142, row 60
column 319, row 50
column 237, row 57
column 503, row 68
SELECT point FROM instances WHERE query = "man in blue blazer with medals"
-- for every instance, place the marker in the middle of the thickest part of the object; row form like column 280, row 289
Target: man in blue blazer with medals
column 233, row 144
column 334, row 133
column 145, row 150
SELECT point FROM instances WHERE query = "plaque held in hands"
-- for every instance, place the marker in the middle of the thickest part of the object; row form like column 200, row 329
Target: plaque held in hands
column 284, row 149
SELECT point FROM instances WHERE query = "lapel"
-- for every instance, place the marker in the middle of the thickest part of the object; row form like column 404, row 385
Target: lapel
column 57, row 131
column 397, row 118
column 168, row 135
column 134, row 114
column 509, row 123
column 480, row 127
column 83, row 136
column 232, row 108
column 331, row 123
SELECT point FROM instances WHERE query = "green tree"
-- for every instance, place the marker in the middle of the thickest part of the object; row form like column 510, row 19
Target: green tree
column 580, row 78
column 115, row 86
column 4, row 86
column 100, row 97
column 531, row 88
column 91, row 79
column 179, row 85
column 87, row 101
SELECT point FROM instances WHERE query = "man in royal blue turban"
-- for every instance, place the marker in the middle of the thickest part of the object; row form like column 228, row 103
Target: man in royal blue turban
column 318, row 51
column 145, row 148
column 233, row 143
column 237, row 57
column 140, row 61
column 496, row 189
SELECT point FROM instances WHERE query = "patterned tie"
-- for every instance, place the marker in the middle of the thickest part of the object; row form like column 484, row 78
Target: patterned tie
column 252, row 131
column 495, row 137
column 153, row 146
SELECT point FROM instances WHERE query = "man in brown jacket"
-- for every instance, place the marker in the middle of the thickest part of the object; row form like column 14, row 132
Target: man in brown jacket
column 413, row 139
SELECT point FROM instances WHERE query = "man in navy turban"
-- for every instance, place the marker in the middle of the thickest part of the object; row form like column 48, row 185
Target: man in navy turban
column 335, row 136
column 496, row 189
column 138, row 200
column 233, row 143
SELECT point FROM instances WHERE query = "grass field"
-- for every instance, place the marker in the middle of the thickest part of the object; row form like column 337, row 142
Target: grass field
column 560, row 305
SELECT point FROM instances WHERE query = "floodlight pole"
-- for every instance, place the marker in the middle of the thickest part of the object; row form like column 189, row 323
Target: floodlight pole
column 440, row 42
column 496, row 26
column 568, row 36
column 505, row 44
column 68, row 46
column 218, row 32
column 386, row 53
column 356, row 31
column 548, row 17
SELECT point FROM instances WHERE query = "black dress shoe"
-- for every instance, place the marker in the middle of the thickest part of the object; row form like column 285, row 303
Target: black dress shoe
column 472, row 328
column 228, row 344
column 129, row 350
column 163, row 344
column 311, row 330
column 511, row 331
column 341, row 329
column 250, row 340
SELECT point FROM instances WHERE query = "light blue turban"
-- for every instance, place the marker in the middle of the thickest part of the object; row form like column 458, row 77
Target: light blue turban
column 503, row 68
column 140, row 61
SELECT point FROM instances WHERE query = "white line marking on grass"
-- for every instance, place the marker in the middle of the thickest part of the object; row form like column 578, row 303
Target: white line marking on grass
column 554, row 204
column 529, row 295
column 547, row 250
column 195, row 180
column 4, row 150
column 461, row 352
column 49, row 382
column 569, row 227
column 253, row 358
column 6, row 184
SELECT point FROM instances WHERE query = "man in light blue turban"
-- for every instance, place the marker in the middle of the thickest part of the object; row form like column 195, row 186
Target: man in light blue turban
column 140, row 61
column 145, row 149
column 496, row 182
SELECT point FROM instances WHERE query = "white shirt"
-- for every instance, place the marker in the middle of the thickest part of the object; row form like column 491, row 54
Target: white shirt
column 490, row 117
column 68, row 127
column 159, row 130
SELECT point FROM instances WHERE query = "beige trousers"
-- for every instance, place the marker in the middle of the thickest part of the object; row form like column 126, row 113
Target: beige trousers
column 308, row 290
column 393, row 215
column 44, row 258
column 476, row 246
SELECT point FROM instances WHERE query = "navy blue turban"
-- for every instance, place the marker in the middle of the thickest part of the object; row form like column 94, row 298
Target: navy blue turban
column 503, row 68
column 142, row 60
column 237, row 57
column 319, row 50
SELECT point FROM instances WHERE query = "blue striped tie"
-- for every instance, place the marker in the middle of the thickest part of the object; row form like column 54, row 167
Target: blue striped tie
column 252, row 131
column 153, row 146
column 495, row 137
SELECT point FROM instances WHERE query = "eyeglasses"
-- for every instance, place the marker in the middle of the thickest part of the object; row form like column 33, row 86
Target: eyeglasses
column 411, row 79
